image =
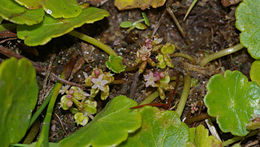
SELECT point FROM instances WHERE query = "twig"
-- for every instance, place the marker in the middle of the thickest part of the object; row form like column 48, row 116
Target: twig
column 197, row 118
column 67, row 82
column 8, row 39
column 61, row 124
column 9, row 53
column 177, row 24
column 159, row 23
column 43, row 91
column 134, row 84
column 38, row 67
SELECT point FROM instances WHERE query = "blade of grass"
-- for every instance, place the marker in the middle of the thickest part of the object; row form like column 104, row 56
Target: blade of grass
column 190, row 8
column 43, row 140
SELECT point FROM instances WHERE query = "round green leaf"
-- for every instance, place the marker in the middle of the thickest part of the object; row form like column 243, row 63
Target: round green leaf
column 159, row 129
column 255, row 72
column 233, row 101
column 56, row 8
column 115, row 64
column 109, row 128
column 126, row 24
column 15, row 13
column 50, row 28
column 248, row 22
column 18, row 96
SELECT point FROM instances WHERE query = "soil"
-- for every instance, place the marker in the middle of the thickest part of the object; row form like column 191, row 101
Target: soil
column 210, row 27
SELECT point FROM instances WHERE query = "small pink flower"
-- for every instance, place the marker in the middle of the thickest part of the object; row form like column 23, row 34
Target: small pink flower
column 144, row 53
column 97, row 72
column 150, row 80
column 99, row 82
column 156, row 76
column 194, row 107
column 148, row 43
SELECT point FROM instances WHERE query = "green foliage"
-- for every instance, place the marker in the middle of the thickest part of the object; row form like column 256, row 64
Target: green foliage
column 248, row 22
column 55, row 8
column 42, row 33
column 159, row 128
column 18, row 97
column 143, row 4
column 115, row 64
column 110, row 127
column 137, row 24
column 199, row 137
column 15, row 13
column 164, row 56
column 255, row 72
column 233, row 101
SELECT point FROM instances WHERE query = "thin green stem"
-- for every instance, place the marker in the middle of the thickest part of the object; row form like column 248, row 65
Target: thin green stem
column 184, row 95
column 238, row 138
column 221, row 53
column 190, row 8
column 184, row 56
column 77, row 103
column 150, row 98
column 93, row 41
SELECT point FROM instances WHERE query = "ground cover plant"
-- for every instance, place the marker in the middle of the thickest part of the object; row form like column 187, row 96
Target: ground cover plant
column 129, row 73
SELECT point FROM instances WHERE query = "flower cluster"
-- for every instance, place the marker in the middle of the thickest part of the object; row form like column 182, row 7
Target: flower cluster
column 161, row 80
column 98, row 81
column 78, row 102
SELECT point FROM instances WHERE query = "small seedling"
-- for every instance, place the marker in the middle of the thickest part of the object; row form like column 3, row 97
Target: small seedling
column 136, row 25
column 164, row 56
column 79, row 103
column 99, row 81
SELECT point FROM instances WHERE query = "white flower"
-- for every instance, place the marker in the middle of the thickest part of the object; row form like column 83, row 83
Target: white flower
column 99, row 82
column 150, row 80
